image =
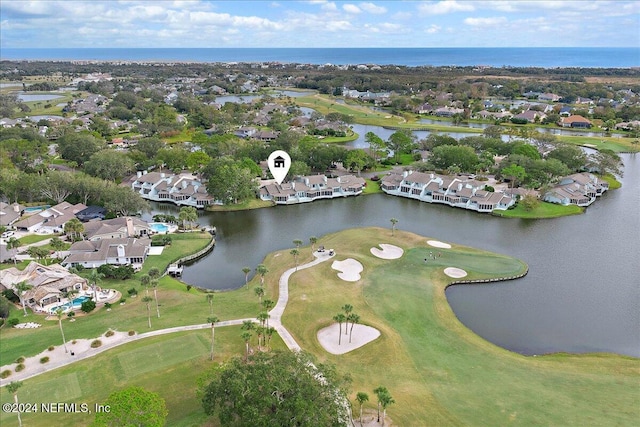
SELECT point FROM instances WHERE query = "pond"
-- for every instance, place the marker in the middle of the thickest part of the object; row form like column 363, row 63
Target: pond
column 581, row 294
column 24, row 97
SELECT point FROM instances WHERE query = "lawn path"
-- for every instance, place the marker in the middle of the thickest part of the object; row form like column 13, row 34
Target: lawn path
column 59, row 358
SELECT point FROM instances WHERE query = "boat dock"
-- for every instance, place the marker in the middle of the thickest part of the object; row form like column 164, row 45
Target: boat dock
column 175, row 270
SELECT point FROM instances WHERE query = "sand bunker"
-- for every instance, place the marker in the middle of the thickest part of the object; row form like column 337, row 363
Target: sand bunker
column 349, row 269
column 455, row 272
column 387, row 251
column 438, row 244
column 360, row 335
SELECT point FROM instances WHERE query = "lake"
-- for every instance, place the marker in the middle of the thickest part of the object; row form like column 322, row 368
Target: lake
column 582, row 293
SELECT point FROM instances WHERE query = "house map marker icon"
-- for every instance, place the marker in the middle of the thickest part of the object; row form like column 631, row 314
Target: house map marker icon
column 279, row 163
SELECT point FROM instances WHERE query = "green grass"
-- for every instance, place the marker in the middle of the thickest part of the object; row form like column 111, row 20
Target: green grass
column 372, row 187
column 246, row 205
column 614, row 184
column 543, row 210
column 35, row 238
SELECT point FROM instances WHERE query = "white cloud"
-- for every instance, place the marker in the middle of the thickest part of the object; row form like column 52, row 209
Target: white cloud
column 444, row 7
column 372, row 8
column 433, row 28
column 485, row 22
column 351, row 8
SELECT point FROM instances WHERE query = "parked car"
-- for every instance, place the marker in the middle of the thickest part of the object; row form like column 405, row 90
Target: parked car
column 7, row 234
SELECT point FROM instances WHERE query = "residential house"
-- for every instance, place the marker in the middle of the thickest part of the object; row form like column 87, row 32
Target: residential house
column 116, row 228
column 183, row 189
column 94, row 253
column 461, row 192
column 312, row 187
column 531, row 116
column 549, row 97
column 50, row 220
column 91, row 213
column 580, row 189
column 9, row 213
column 448, row 111
column 48, row 283
column 574, row 121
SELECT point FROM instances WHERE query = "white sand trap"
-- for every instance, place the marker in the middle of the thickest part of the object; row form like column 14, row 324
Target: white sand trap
column 361, row 335
column 387, row 251
column 455, row 272
column 438, row 244
column 349, row 269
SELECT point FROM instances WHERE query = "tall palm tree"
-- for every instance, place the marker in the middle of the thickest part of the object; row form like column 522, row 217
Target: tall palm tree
column 59, row 315
column 353, row 318
column 154, row 273
column 210, row 301
column 269, row 332
column 12, row 245
column 262, row 317
column 361, row 397
column 74, row 229
column 213, row 320
column 340, row 318
column 379, row 391
column 154, row 285
column 246, row 271
column 56, row 245
column 295, row 253
column 12, row 388
column 268, row 304
column 145, row 281
column 348, row 308
column 246, row 336
column 259, row 290
column 21, row 288
column 261, row 269
column 147, row 301
column 94, row 277
column 313, row 240
column 385, row 400
column 394, row 221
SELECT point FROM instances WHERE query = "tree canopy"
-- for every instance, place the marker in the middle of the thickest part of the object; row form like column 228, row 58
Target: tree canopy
column 132, row 407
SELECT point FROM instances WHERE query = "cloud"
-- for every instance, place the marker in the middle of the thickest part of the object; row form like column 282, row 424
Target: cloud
column 351, row 8
column 433, row 29
column 445, row 7
column 372, row 8
column 485, row 22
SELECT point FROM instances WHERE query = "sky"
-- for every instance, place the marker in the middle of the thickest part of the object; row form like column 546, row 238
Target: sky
column 318, row 23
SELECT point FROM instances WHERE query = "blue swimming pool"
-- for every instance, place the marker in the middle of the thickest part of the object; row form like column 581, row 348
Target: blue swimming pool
column 159, row 227
column 34, row 209
column 76, row 303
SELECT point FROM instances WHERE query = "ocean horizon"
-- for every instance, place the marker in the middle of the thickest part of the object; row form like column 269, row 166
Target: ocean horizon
column 547, row 57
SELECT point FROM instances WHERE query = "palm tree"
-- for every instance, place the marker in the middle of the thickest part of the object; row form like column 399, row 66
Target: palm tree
column 379, row 392
column 385, row 400
column 361, row 397
column 246, row 271
column 261, row 269
column 59, row 314
column 246, row 336
column 213, row 320
column 145, row 281
column 154, row 285
column 260, row 330
column 74, row 229
column 12, row 388
column 297, row 242
column 340, row 318
column 354, row 318
column 147, row 300
column 313, row 240
column 259, row 290
column 13, row 244
column 210, row 301
column 154, row 273
column 57, row 245
column 94, row 278
column 394, row 221
column 295, row 254
column 262, row 317
column 348, row 308
column 21, row 288
column 269, row 332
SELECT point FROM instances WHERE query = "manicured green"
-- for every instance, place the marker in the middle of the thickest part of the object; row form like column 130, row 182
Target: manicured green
column 543, row 210
column 34, row 238
column 372, row 187
column 242, row 206
column 614, row 184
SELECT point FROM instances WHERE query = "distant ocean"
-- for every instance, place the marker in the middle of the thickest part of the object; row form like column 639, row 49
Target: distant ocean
column 496, row 57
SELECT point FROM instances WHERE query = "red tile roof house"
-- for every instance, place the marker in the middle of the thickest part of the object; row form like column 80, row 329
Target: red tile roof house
column 580, row 189
column 461, row 192
column 312, row 187
column 574, row 121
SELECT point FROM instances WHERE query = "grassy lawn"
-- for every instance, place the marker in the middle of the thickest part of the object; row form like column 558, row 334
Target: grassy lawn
column 438, row 371
column 184, row 135
column 246, row 205
column 614, row 184
column 35, row 238
column 372, row 187
column 619, row 145
column 543, row 210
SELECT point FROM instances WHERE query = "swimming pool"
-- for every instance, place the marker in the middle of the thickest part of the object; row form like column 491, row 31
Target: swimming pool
column 34, row 209
column 76, row 303
column 159, row 227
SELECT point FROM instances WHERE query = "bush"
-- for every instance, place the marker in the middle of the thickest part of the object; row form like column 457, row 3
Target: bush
column 132, row 333
column 107, row 305
column 88, row 306
column 4, row 374
column 132, row 292
column 96, row 343
column 123, row 300
column 109, row 333
column 489, row 188
column 51, row 348
column 20, row 359
column 71, row 314
column 44, row 359
column 13, row 321
column 20, row 367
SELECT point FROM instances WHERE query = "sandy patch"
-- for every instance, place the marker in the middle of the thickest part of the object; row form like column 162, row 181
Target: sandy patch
column 387, row 251
column 455, row 272
column 360, row 335
column 349, row 269
column 438, row 244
